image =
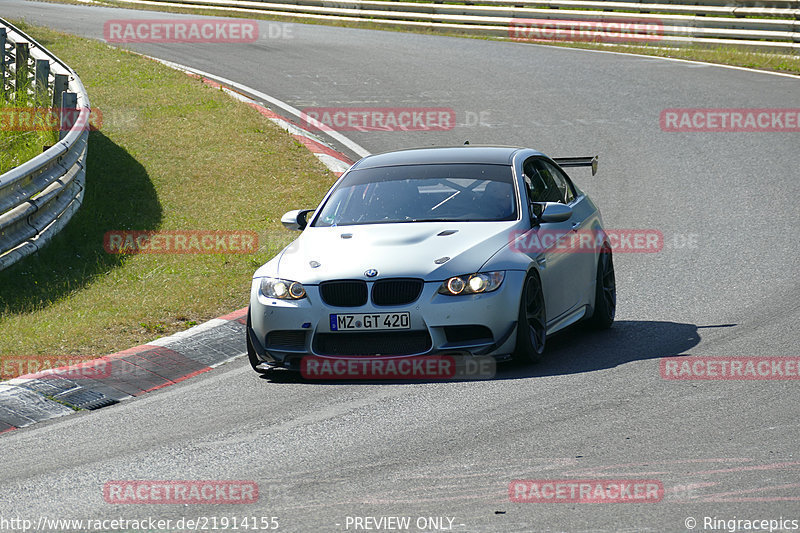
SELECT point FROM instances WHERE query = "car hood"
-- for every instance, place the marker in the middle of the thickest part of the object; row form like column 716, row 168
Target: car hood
column 394, row 250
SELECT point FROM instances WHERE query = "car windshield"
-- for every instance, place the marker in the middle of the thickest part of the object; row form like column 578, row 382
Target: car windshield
column 421, row 193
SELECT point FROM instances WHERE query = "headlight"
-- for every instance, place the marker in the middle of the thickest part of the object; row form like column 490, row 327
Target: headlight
column 282, row 289
column 472, row 283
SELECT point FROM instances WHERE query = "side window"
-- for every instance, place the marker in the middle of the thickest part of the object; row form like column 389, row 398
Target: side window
column 557, row 178
column 540, row 183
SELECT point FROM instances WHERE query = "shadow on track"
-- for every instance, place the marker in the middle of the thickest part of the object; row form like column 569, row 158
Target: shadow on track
column 579, row 350
column 576, row 350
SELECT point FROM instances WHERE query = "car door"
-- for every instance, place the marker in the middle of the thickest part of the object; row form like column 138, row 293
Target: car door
column 562, row 269
column 582, row 264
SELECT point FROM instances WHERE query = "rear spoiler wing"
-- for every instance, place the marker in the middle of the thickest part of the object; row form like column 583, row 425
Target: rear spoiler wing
column 578, row 162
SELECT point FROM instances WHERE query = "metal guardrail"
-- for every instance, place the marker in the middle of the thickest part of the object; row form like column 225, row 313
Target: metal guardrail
column 38, row 197
column 771, row 25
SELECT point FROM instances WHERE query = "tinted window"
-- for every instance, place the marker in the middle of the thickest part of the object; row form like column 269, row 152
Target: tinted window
column 563, row 186
column 417, row 193
column 546, row 183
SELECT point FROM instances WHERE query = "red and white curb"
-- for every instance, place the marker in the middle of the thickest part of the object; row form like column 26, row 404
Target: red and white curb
column 113, row 378
column 336, row 161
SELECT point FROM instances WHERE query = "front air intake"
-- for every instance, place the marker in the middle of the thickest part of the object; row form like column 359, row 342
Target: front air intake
column 344, row 293
column 397, row 291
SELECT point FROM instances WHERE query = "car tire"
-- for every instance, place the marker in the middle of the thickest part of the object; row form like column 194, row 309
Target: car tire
column 605, row 294
column 251, row 352
column 532, row 322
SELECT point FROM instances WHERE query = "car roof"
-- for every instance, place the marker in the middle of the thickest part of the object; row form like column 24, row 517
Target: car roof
column 492, row 155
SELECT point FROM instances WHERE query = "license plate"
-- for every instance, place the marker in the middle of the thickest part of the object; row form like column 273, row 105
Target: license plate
column 370, row 321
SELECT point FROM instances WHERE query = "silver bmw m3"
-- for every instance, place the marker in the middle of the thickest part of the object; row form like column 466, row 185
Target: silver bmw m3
column 471, row 250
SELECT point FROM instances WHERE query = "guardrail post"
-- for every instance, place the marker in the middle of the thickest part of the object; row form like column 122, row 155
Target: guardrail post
column 42, row 79
column 59, row 86
column 21, row 57
column 33, row 210
column 3, row 38
column 68, row 113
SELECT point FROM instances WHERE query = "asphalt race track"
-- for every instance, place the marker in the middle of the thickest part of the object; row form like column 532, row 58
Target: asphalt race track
column 725, row 284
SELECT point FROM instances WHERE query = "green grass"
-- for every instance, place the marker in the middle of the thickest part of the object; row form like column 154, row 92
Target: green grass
column 171, row 154
column 723, row 55
column 16, row 147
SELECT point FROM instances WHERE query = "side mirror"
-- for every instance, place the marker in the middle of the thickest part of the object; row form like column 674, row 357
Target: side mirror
column 296, row 220
column 551, row 211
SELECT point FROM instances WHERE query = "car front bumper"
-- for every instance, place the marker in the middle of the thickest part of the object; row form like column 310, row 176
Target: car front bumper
column 282, row 332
